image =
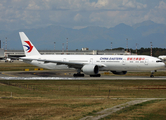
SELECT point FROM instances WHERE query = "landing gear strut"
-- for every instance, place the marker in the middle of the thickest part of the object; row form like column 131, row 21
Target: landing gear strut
column 152, row 75
column 152, row 72
column 78, row 74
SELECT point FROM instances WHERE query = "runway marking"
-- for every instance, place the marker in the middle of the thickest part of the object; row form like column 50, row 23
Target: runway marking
column 81, row 78
column 9, row 75
column 39, row 78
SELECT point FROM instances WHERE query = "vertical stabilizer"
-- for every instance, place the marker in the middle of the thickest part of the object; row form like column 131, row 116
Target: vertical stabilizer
column 29, row 48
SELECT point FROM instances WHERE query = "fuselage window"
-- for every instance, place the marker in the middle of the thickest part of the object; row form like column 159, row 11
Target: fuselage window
column 112, row 61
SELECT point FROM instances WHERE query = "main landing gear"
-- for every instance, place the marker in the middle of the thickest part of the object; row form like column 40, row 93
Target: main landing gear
column 98, row 75
column 78, row 74
column 152, row 73
column 82, row 75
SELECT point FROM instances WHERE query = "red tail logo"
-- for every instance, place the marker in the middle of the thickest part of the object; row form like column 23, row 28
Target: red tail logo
column 29, row 46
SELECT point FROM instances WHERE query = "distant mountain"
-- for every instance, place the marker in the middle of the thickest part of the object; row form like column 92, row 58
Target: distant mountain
column 93, row 37
column 145, row 23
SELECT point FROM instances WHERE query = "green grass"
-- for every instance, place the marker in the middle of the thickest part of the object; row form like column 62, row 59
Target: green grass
column 48, row 99
column 120, row 88
column 163, row 73
column 16, row 66
column 154, row 111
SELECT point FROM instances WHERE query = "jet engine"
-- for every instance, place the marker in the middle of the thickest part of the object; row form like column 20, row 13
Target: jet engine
column 119, row 72
column 90, row 69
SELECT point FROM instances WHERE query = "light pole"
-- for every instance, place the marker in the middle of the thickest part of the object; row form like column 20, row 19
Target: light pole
column 6, row 44
column 62, row 48
column 54, row 45
column 136, row 48
column 151, row 48
column 67, row 45
column 127, row 44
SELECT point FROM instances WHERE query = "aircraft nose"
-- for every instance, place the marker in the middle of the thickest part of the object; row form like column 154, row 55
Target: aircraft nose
column 164, row 65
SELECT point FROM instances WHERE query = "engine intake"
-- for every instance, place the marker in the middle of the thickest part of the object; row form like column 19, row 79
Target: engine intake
column 90, row 69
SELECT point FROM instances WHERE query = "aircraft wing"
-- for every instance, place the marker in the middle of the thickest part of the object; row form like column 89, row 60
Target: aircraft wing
column 69, row 64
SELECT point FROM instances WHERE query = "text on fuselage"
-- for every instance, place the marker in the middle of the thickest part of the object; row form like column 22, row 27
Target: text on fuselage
column 135, row 58
column 111, row 58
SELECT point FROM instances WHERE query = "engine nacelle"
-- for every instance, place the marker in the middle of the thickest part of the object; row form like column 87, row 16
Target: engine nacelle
column 119, row 72
column 90, row 69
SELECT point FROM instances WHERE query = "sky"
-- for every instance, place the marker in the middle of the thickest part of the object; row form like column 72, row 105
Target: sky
column 77, row 14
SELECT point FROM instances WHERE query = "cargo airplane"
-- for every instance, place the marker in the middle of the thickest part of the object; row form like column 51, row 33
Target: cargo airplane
column 90, row 64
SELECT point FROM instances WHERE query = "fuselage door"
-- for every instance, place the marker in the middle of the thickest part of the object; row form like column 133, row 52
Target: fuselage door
column 91, row 60
column 146, row 62
column 64, row 60
column 124, row 61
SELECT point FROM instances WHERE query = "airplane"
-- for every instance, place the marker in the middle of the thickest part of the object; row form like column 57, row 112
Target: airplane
column 162, row 57
column 90, row 64
column 8, row 60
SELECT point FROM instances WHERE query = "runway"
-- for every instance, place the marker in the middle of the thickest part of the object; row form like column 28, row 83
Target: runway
column 83, row 78
column 57, row 75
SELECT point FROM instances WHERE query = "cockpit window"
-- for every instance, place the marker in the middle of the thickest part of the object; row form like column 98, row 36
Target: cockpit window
column 159, row 61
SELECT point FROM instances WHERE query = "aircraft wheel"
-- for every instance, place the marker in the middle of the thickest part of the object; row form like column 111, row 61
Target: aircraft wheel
column 151, row 76
column 98, row 75
column 78, row 75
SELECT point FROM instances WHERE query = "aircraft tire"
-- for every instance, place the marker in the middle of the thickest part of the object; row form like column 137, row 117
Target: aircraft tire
column 151, row 76
column 78, row 75
column 98, row 75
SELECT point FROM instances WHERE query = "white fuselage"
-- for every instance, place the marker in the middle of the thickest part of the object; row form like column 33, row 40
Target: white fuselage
column 89, row 64
column 110, row 62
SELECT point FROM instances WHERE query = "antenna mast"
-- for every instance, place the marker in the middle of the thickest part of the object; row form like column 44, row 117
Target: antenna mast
column 67, row 45
column 151, row 48
column 136, row 48
column 127, row 44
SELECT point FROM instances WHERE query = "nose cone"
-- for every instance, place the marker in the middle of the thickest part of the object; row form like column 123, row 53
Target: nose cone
column 160, row 64
column 163, row 65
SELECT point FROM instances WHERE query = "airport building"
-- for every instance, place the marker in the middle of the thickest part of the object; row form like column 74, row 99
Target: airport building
column 20, row 53
column 1, row 53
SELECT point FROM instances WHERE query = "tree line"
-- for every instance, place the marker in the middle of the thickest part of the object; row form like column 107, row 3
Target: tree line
column 145, row 51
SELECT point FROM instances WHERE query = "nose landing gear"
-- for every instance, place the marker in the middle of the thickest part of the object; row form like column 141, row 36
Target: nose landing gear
column 152, row 73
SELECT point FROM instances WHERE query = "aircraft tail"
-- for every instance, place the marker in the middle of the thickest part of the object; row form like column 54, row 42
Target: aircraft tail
column 29, row 48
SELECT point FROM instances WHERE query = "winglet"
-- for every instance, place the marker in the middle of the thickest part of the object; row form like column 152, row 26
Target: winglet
column 29, row 48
